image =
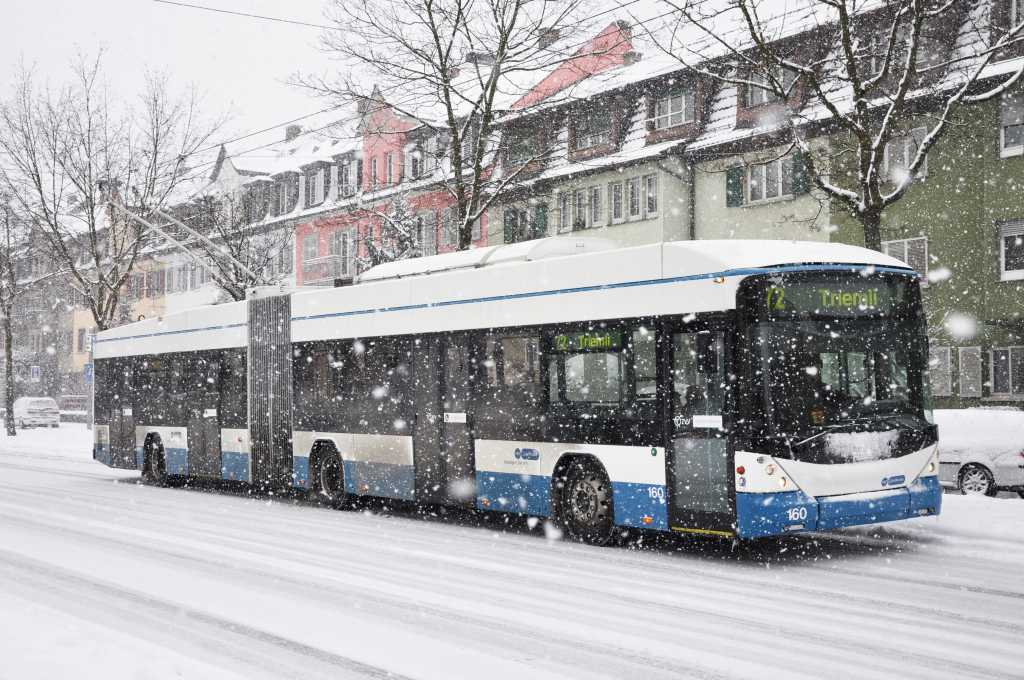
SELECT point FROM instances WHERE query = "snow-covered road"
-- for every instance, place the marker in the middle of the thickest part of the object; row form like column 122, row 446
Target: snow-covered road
column 101, row 577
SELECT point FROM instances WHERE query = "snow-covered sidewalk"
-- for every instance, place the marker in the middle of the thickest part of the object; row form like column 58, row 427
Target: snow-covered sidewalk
column 103, row 577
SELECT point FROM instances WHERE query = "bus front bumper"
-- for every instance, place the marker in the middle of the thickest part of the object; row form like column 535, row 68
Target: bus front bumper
column 773, row 514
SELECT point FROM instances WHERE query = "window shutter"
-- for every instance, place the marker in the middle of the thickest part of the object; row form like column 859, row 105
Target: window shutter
column 939, row 371
column 801, row 181
column 540, row 220
column 970, row 372
column 734, row 186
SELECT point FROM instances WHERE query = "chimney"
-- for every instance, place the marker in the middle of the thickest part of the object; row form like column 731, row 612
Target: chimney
column 291, row 132
column 631, row 57
column 625, row 27
column 548, row 36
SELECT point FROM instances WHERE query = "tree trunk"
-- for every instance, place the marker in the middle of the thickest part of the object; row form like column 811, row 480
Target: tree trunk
column 9, row 368
column 871, row 221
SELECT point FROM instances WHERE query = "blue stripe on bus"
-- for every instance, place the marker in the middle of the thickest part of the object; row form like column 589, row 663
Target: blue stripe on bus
column 300, row 472
column 513, row 492
column 635, row 503
column 234, row 466
column 531, row 495
column 769, row 514
column 545, row 293
column 387, row 480
column 101, row 453
column 608, row 286
column 176, row 461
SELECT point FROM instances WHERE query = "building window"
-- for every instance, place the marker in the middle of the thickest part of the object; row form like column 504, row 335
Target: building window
column 970, row 371
column 340, row 246
column 1011, row 122
column 633, row 203
column 373, row 172
column 310, row 247
column 315, row 186
column 283, row 197
column 674, row 109
column 1007, row 372
column 940, row 372
column 155, row 283
column 579, row 209
column 761, row 91
column 1011, row 251
column 900, row 153
column 449, row 230
column 522, row 148
column 564, row 211
column 414, row 163
column 592, row 128
column 345, row 184
column 913, row 251
column 615, row 201
column 389, row 168
column 770, row 181
column 651, row 196
column 81, row 340
column 596, row 208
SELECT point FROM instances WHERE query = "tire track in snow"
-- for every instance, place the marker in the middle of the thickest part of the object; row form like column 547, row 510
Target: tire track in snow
column 865, row 657
column 231, row 638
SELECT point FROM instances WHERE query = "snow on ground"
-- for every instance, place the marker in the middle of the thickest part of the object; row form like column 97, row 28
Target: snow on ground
column 101, row 577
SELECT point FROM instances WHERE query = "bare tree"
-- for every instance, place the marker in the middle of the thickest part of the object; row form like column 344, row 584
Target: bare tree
column 863, row 73
column 400, row 238
column 238, row 254
column 453, row 67
column 15, row 244
column 67, row 154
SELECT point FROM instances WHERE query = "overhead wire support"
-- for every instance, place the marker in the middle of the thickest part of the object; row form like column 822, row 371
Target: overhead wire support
column 181, row 246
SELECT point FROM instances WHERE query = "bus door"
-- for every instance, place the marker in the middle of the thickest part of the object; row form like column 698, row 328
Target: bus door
column 456, row 426
column 204, row 419
column 122, row 418
column 699, row 474
column 426, row 442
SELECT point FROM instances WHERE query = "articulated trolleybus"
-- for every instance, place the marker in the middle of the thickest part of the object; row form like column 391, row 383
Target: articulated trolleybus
column 733, row 388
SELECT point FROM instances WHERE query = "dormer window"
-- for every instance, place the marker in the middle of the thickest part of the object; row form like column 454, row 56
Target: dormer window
column 522, row 148
column 674, row 109
column 592, row 128
column 761, row 90
column 318, row 183
column 414, row 162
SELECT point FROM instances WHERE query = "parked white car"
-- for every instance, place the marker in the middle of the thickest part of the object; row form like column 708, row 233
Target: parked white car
column 36, row 412
column 981, row 450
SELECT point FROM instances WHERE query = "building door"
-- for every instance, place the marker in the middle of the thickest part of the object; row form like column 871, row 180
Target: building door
column 456, row 425
column 699, row 464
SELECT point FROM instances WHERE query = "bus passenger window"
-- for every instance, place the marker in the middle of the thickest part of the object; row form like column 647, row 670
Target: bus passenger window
column 645, row 365
column 698, row 375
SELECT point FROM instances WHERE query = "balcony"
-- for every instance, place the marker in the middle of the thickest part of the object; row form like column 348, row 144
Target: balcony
column 322, row 271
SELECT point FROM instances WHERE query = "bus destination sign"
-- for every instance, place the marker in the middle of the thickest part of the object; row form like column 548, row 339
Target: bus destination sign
column 845, row 298
column 588, row 342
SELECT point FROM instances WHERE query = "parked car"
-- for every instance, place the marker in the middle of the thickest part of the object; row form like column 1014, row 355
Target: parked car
column 36, row 412
column 981, row 450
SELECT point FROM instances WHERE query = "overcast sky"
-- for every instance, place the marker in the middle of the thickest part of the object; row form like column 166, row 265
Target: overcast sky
column 237, row 63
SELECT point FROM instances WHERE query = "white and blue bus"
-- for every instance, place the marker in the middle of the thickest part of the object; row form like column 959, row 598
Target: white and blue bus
column 733, row 388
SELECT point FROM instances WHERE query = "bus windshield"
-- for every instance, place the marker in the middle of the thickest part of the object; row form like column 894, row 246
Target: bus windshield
column 836, row 365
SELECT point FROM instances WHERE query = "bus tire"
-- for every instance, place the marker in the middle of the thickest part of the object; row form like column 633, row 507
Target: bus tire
column 976, row 480
column 585, row 508
column 154, row 464
column 327, row 477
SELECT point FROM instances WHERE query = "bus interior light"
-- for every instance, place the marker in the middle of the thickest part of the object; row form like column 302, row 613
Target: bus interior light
column 783, row 482
column 769, row 469
column 741, row 470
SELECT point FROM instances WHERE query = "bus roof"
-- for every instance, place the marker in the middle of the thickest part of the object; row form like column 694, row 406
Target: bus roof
column 543, row 281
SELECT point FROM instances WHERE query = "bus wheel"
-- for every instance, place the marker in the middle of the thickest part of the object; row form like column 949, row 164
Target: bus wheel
column 976, row 480
column 586, row 504
column 154, row 470
column 329, row 480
